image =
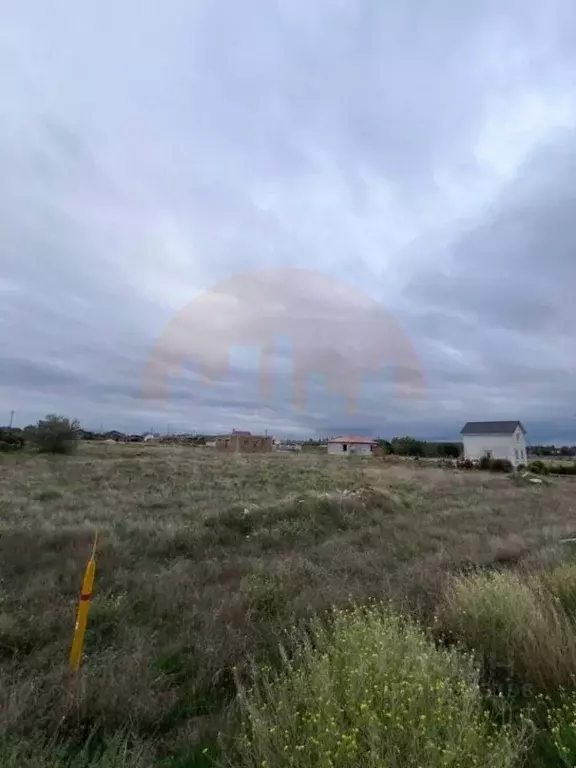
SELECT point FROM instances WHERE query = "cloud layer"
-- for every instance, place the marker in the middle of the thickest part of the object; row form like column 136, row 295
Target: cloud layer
column 419, row 156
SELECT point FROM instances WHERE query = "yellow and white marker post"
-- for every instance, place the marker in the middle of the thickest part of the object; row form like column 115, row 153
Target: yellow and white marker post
column 83, row 609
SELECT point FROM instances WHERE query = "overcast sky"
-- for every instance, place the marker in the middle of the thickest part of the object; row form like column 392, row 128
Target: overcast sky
column 376, row 196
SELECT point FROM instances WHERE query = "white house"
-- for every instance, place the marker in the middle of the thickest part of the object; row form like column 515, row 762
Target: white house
column 351, row 444
column 495, row 439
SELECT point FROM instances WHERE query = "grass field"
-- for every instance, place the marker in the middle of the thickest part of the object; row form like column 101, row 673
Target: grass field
column 206, row 563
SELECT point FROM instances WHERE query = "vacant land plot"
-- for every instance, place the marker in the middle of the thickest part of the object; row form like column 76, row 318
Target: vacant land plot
column 205, row 561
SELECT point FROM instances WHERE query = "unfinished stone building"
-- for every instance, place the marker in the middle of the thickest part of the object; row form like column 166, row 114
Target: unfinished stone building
column 244, row 442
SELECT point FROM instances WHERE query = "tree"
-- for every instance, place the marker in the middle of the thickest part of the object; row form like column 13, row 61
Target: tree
column 449, row 450
column 57, row 434
column 408, row 446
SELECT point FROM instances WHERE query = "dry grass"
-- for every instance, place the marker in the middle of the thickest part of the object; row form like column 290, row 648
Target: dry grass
column 205, row 559
column 513, row 621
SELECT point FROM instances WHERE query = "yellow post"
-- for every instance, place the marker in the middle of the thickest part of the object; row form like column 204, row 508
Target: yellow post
column 83, row 608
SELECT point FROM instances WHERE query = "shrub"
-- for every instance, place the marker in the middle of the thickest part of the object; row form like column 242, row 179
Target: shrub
column 538, row 467
column 493, row 465
column 511, row 620
column 57, row 434
column 11, row 439
column 501, row 465
column 373, row 690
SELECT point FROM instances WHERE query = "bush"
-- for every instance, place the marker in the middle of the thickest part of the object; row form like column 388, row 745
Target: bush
column 495, row 465
column 501, row 465
column 11, row 439
column 57, row 434
column 373, row 690
column 538, row 467
column 514, row 623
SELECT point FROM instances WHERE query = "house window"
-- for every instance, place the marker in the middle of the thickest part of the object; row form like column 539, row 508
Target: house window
column 516, row 453
column 517, row 435
column 344, row 447
column 522, row 455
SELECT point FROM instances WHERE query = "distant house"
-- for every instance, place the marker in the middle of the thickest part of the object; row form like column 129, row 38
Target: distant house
column 495, row 439
column 290, row 447
column 113, row 435
column 244, row 443
column 352, row 444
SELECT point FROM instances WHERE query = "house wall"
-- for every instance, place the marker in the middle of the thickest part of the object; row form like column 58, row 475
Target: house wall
column 353, row 448
column 502, row 446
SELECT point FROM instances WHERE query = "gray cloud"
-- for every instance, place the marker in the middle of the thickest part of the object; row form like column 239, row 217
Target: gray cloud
column 422, row 155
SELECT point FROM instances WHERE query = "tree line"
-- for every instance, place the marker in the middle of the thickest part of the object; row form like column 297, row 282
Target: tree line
column 411, row 446
column 565, row 451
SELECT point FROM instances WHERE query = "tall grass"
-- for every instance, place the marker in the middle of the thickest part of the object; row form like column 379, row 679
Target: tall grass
column 118, row 751
column 372, row 690
column 561, row 583
column 512, row 620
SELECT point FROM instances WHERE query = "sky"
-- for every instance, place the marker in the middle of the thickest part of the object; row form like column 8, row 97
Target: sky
column 306, row 218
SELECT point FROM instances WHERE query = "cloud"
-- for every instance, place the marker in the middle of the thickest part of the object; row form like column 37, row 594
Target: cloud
column 420, row 155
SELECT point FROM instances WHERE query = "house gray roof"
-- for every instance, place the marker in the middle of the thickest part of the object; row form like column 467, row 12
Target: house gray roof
column 491, row 427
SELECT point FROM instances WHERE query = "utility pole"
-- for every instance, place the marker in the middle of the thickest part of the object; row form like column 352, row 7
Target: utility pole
column 11, row 418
